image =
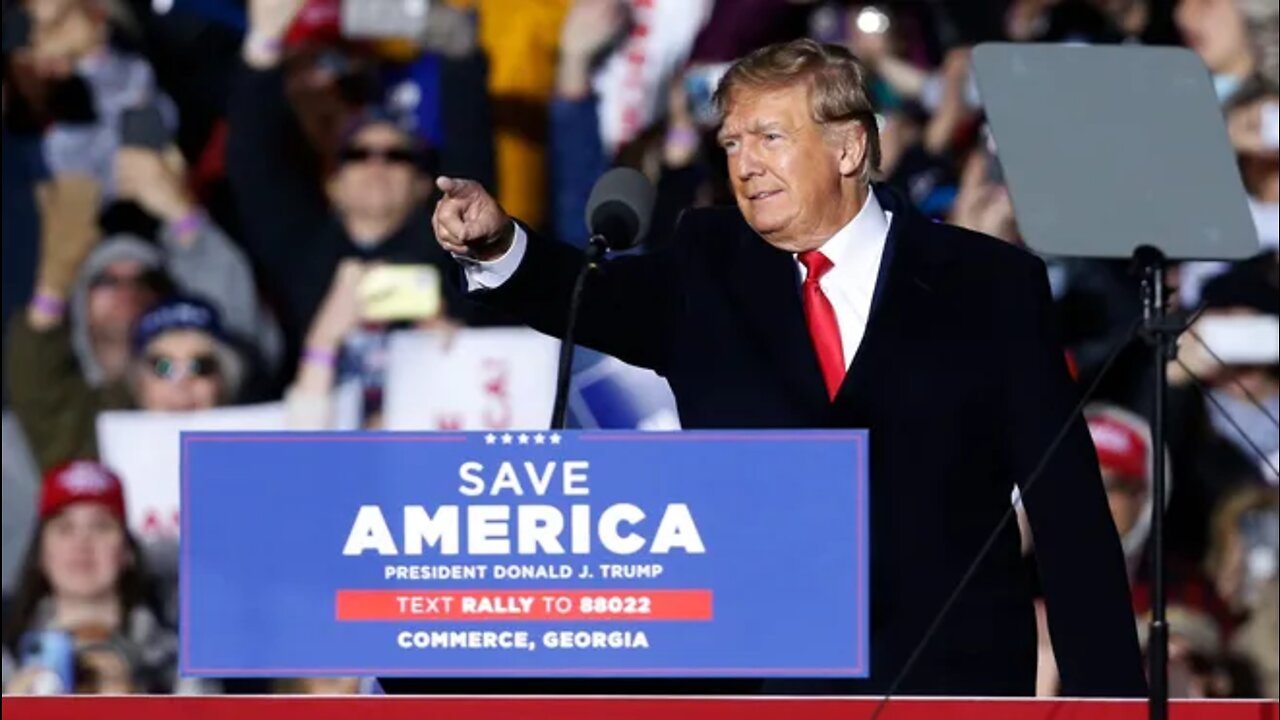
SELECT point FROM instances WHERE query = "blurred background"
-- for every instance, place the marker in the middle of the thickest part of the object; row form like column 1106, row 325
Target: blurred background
column 216, row 216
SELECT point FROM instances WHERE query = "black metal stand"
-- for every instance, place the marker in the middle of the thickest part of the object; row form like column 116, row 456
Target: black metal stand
column 1161, row 334
column 596, row 248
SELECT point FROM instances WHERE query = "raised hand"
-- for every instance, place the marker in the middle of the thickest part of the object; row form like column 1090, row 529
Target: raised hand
column 68, row 229
column 589, row 25
column 271, row 18
column 340, row 312
column 870, row 47
column 469, row 222
column 1193, row 361
column 154, row 181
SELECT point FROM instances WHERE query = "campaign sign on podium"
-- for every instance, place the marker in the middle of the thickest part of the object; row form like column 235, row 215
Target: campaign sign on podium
column 532, row 554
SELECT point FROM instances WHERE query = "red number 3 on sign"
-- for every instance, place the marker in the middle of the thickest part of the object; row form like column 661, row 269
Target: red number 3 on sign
column 497, row 397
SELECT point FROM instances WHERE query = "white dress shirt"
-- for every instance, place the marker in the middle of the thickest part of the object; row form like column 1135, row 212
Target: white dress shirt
column 489, row 274
column 854, row 251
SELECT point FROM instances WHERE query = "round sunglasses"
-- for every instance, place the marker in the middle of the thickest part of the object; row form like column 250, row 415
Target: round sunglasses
column 171, row 368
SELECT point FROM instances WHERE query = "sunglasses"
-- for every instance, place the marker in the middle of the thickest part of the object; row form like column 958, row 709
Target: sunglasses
column 391, row 156
column 169, row 368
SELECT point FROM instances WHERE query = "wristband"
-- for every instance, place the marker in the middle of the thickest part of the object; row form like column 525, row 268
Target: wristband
column 318, row 356
column 48, row 304
column 186, row 224
column 263, row 47
column 265, row 43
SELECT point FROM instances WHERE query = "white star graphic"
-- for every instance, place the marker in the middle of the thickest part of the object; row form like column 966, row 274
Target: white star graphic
column 539, row 439
column 555, row 438
column 524, row 439
column 506, row 438
column 490, row 439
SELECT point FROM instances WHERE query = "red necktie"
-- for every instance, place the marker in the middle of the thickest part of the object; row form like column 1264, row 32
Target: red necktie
column 821, row 318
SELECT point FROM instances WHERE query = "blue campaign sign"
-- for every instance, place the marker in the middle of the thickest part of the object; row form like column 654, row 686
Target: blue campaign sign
column 533, row 554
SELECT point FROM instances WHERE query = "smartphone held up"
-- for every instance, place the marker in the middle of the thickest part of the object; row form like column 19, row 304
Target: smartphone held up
column 401, row 293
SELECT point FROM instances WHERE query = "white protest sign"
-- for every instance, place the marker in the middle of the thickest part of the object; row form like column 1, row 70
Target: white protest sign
column 630, row 84
column 143, row 448
column 480, row 379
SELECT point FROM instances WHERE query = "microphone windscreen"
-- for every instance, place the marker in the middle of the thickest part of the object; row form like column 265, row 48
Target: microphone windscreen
column 619, row 207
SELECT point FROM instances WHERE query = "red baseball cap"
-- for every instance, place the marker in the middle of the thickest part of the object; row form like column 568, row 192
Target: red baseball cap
column 318, row 21
column 1122, row 443
column 81, row 481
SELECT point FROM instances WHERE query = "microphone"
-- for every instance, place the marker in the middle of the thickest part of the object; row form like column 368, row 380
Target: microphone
column 618, row 213
column 619, row 207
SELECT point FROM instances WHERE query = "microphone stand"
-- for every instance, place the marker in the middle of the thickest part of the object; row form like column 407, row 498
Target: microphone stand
column 597, row 246
column 1161, row 334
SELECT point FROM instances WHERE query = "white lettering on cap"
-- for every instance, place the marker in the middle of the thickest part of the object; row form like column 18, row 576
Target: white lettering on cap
column 86, row 478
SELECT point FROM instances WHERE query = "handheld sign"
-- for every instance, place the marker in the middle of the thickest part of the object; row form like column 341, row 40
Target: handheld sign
column 533, row 554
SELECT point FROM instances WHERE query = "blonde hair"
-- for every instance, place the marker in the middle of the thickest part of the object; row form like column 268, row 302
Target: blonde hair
column 838, row 83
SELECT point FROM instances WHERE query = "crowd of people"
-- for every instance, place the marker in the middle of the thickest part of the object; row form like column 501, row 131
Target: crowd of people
column 194, row 195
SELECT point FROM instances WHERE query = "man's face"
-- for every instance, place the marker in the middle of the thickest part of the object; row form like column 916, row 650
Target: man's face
column 117, row 297
column 1126, row 498
column 788, row 176
column 179, row 371
column 377, row 177
column 1215, row 29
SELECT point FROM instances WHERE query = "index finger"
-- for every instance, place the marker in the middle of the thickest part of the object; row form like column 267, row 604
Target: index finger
column 456, row 187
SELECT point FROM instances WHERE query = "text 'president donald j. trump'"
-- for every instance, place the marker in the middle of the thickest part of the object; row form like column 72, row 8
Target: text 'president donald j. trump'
column 823, row 300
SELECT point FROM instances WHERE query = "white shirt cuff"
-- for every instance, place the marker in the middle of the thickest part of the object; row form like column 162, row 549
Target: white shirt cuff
column 489, row 274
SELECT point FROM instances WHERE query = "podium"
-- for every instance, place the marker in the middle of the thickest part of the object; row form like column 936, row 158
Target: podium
column 620, row 708
column 532, row 555
column 526, row 555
